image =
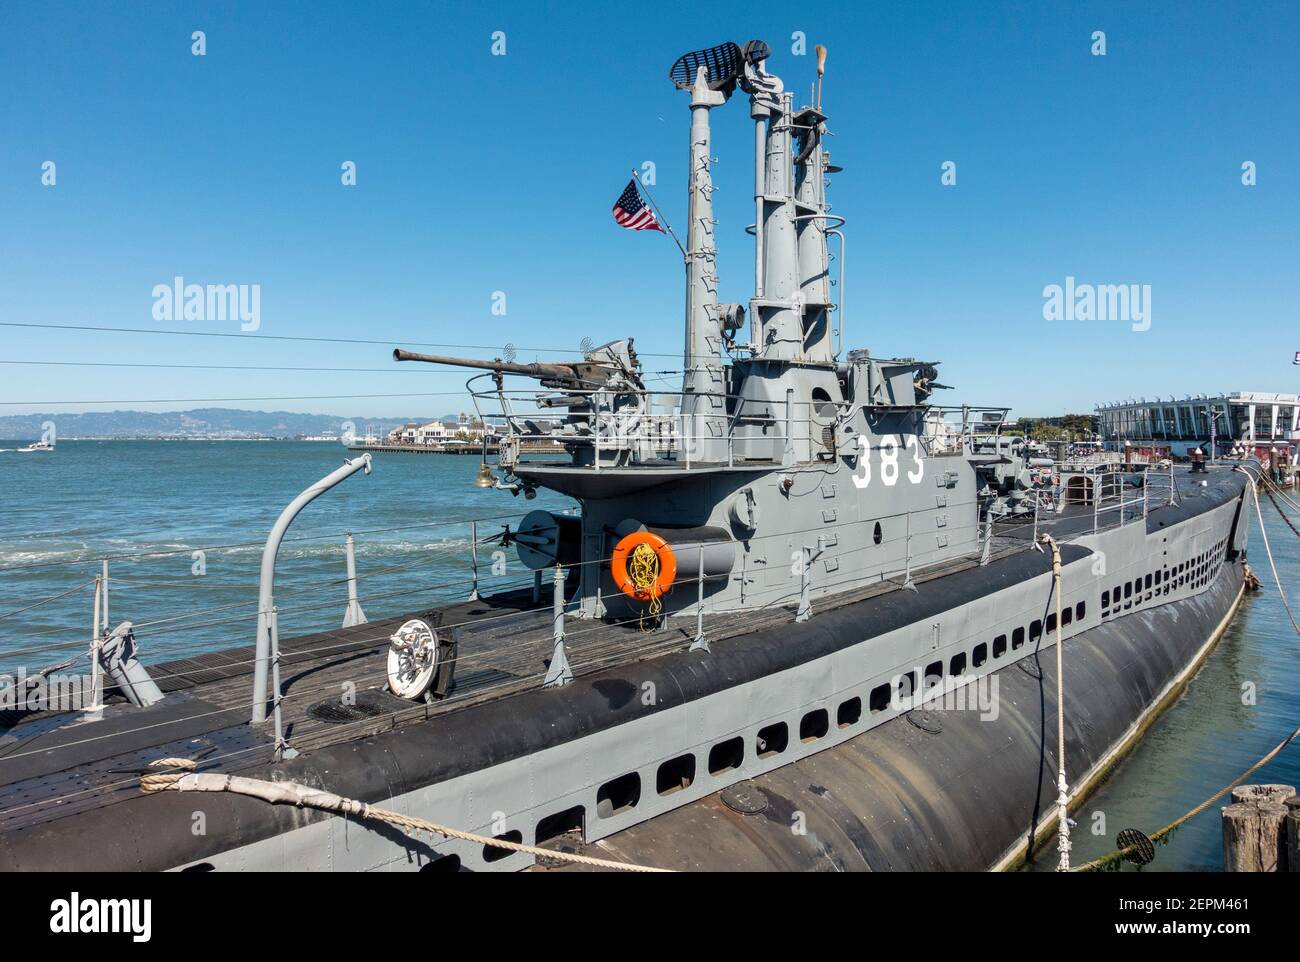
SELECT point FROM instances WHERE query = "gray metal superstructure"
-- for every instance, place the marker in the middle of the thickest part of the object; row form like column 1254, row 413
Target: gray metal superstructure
column 822, row 555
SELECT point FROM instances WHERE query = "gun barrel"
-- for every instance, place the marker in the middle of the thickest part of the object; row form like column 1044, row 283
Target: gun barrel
column 505, row 367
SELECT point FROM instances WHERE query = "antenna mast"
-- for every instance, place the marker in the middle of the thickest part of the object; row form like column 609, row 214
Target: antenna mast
column 710, row 77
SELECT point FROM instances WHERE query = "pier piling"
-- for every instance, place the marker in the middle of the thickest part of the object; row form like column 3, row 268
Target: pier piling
column 1292, row 829
column 1255, row 833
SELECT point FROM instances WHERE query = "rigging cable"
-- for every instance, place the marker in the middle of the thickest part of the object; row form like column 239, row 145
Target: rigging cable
column 1269, row 551
column 1062, row 786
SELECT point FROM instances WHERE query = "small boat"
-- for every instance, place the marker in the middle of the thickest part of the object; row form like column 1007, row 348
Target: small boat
column 37, row 446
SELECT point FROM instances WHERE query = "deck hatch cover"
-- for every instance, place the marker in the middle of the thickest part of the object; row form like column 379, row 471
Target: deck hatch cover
column 370, row 703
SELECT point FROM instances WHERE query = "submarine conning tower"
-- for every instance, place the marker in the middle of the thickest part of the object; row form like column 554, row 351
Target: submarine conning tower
column 782, row 471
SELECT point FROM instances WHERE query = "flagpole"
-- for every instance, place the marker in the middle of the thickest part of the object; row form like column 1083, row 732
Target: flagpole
column 655, row 207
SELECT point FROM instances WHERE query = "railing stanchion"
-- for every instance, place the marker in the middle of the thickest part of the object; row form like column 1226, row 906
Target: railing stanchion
column 788, row 455
column 353, row 616
column 907, row 581
column 96, row 641
column 700, row 643
column 558, row 673
column 282, row 749
column 537, row 587
column 104, row 619
column 473, row 560
column 805, row 602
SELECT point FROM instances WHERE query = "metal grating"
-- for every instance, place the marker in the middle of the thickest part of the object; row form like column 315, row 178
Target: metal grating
column 370, row 703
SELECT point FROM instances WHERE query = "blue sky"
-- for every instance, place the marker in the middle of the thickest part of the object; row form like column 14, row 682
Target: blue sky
column 478, row 173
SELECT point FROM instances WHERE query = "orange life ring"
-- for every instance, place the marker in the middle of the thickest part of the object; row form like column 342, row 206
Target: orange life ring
column 667, row 565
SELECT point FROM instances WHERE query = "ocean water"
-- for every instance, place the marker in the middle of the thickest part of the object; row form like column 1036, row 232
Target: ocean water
column 148, row 506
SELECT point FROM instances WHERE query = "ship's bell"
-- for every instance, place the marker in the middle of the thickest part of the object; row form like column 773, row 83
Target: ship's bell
column 485, row 479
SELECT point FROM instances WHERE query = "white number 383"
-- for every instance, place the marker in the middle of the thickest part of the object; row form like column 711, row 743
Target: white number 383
column 889, row 450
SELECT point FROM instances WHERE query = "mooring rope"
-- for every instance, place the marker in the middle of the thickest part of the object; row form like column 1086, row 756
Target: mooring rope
column 1268, row 490
column 1161, row 833
column 1282, row 491
column 1259, row 512
column 177, row 774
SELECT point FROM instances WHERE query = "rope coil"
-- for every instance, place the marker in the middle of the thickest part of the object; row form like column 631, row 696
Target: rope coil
column 643, row 570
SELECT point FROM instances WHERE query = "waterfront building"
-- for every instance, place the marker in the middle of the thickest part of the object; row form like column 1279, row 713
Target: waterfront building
column 1248, row 420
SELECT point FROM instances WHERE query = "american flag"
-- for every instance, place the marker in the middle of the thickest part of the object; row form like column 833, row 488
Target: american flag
column 632, row 212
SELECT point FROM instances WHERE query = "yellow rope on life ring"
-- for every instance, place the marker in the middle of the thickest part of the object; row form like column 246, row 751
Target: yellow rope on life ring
column 643, row 571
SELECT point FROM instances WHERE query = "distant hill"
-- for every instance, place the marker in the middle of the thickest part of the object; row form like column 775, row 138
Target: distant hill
column 198, row 423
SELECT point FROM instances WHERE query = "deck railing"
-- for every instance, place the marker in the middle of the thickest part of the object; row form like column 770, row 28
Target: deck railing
column 620, row 427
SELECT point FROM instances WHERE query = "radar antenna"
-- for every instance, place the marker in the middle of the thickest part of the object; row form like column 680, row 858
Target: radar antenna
column 723, row 63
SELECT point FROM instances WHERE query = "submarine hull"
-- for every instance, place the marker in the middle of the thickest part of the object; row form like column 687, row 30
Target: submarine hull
column 966, row 792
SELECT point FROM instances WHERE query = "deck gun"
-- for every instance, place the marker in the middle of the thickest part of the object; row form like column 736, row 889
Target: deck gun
column 603, row 396
column 612, row 365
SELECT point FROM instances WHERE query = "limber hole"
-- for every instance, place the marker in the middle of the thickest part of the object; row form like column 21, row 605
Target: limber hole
column 725, row 756
column 675, row 775
column 493, row 854
column 619, row 796
column 772, row 740
column 814, row 725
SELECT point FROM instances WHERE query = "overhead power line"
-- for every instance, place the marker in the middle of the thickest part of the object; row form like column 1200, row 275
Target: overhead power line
column 385, row 342
column 396, row 369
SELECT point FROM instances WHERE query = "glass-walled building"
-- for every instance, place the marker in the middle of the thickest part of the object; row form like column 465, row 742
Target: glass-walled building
column 1250, row 418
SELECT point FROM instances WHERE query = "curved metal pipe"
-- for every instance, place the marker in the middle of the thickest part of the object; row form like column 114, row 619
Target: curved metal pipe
column 266, row 586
